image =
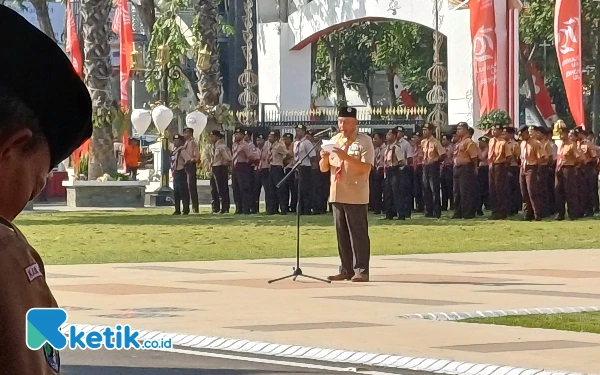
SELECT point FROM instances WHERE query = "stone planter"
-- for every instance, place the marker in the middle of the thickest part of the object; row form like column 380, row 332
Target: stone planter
column 105, row 194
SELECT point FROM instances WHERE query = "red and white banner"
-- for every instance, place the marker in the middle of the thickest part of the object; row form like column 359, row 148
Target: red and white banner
column 542, row 98
column 485, row 59
column 122, row 26
column 72, row 42
column 567, row 36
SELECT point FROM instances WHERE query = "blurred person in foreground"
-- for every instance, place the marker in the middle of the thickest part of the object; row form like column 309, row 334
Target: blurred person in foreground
column 45, row 114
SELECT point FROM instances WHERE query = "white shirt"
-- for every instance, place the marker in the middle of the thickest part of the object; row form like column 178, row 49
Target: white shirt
column 406, row 150
column 301, row 148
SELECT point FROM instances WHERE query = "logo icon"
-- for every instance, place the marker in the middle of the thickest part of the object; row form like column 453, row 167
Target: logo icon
column 568, row 36
column 43, row 327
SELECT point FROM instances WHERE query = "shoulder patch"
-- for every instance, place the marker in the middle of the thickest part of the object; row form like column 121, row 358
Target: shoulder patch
column 33, row 272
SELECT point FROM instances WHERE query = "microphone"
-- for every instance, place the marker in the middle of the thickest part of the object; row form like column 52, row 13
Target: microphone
column 328, row 130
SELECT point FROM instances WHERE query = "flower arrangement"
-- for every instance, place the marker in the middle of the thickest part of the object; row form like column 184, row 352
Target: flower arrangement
column 494, row 117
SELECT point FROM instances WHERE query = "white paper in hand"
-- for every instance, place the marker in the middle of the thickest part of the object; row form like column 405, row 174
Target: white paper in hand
column 329, row 146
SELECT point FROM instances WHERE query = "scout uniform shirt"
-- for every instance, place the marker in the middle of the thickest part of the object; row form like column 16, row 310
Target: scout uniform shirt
column 301, row 148
column 380, row 157
column 515, row 153
column 548, row 150
column 498, row 151
column 220, row 154
column 567, row 155
column 432, row 150
column 191, row 148
column 483, row 157
column 346, row 185
column 240, row 153
column 464, row 152
column 450, row 150
column 179, row 157
column 532, row 153
column 277, row 153
column 587, row 151
column 393, row 156
column 418, row 155
column 263, row 161
column 406, row 149
column 24, row 287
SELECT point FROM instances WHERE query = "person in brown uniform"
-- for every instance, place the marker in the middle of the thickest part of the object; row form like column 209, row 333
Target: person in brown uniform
column 483, row 176
column 532, row 154
column 180, row 157
column 499, row 155
column 586, row 148
column 544, row 170
column 220, row 159
column 566, row 178
column 262, row 180
column 45, row 115
column 241, row 176
column 349, row 168
column 465, row 159
column 433, row 154
column 376, row 179
column 191, row 147
column 515, row 200
column 276, row 156
column 590, row 138
column 446, row 174
column 417, row 172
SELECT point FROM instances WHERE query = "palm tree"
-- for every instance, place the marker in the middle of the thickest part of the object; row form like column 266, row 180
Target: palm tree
column 43, row 17
column 97, row 72
column 208, row 34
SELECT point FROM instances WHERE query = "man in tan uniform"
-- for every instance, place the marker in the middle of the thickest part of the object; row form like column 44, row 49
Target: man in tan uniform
column 45, row 114
column 499, row 155
column 565, row 186
column 586, row 148
column 433, row 154
column 277, row 154
column 191, row 148
column 532, row 155
column 220, row 160
column 349, row 168
column 465, row 161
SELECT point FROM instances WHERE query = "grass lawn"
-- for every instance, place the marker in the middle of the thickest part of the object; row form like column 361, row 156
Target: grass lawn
column 576, row 322
column 153, row 235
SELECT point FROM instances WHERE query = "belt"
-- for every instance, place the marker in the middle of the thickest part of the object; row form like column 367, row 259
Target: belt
column 463, row 165
column 531, row 166
column 567, row 166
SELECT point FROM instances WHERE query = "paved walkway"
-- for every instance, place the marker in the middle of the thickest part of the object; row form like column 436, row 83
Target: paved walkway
column 233, row 299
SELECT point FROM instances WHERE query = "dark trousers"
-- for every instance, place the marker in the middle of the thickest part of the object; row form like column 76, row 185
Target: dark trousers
column 391, row 192
column 544, row 176
column 483, row 187
column 181, row 193
column 376, row 183
column 565, row 191
column 431, row 189
column 581, row 190
column 281, row 196
column 292, row 190
column 262, row 181
column 595, row 189
column 132, row 171
column 242, row 189
column 418, row 188
column 219, row 189
column 352, row 229
column 447, row 185
column 530, row 190
column 304, row 190
column 190, row 169
column 590, row 178
column 316, row 196
column 465, row 191
column 499, row 190
column 516, row 201
column 326, row 178
column 551, row 190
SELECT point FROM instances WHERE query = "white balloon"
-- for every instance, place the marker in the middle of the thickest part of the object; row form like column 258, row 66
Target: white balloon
column 197, row 121
column 162, row 117
column 141, row 120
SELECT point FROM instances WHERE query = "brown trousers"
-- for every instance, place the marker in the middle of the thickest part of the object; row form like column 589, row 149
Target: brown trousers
column 544, row 176
column 499, row 193
column 530, row 190
column 565, row 191
column 465, row 191
column 352, row 231
column 589, row 185
column 190, row 169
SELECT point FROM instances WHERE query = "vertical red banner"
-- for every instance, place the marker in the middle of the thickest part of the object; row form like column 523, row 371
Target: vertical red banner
column 485, row 59
column 567, row 36
column 72, row 42
column 122, row 26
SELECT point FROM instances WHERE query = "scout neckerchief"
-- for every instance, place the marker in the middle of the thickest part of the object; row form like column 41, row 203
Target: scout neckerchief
column 235, row 153
column 524, row 154
column 560, row 159
column 338, row 170
column 426, row 151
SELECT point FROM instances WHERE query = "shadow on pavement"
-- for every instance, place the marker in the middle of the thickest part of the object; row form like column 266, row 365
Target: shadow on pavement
column 119, row 370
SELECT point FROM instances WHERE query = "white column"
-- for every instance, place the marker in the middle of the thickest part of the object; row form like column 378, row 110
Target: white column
column 460, row 69
column 500, row 12
column 284, row 75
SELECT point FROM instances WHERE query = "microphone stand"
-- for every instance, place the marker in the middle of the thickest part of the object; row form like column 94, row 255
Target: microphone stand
column 297, row 271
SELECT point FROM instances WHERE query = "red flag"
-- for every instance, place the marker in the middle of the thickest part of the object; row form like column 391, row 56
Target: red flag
column 567, row 36
column 542, row 97
column 122, row 26
column 125, row 145
column 72, row 42
column 483, row 24
column 407, row 99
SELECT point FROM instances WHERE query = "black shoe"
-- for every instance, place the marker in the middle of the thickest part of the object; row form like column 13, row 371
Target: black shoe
column 196, row 211
column 479, row 213
column 559, row 218
column 224, row 212
column 186, row 212
column 176, row 213
column 215, row 212
column 456, row 217
column 401, row 218
column 428, row 215
column 377, row 212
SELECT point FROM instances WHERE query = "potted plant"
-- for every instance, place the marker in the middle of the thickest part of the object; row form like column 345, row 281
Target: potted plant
column 494, row 117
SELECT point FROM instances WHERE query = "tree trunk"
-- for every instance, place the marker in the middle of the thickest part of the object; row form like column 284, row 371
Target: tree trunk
column 147, row 13
column 43, row 17
column 335, row 69
column 97, row 72
column 209, row 83
column 525, row 69
column 391, row 73
column 596, row 99
column 282, row 7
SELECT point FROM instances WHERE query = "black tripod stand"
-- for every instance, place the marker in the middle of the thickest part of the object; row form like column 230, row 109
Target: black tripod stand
column 297, row 271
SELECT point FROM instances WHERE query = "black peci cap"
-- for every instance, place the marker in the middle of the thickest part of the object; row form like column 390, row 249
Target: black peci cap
column 260, row 136
column 238, row 131
column 177, row 136
column 288, row 135
column 394, row 131
column 428, row 126
column 188, row 130
column 217, row 133
column 509, row 129
column 302, row 127
column 347, row 112
column 484, row 139
column 524, row 128
column 400, row 129
column 275, row 133
column 37, row 71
